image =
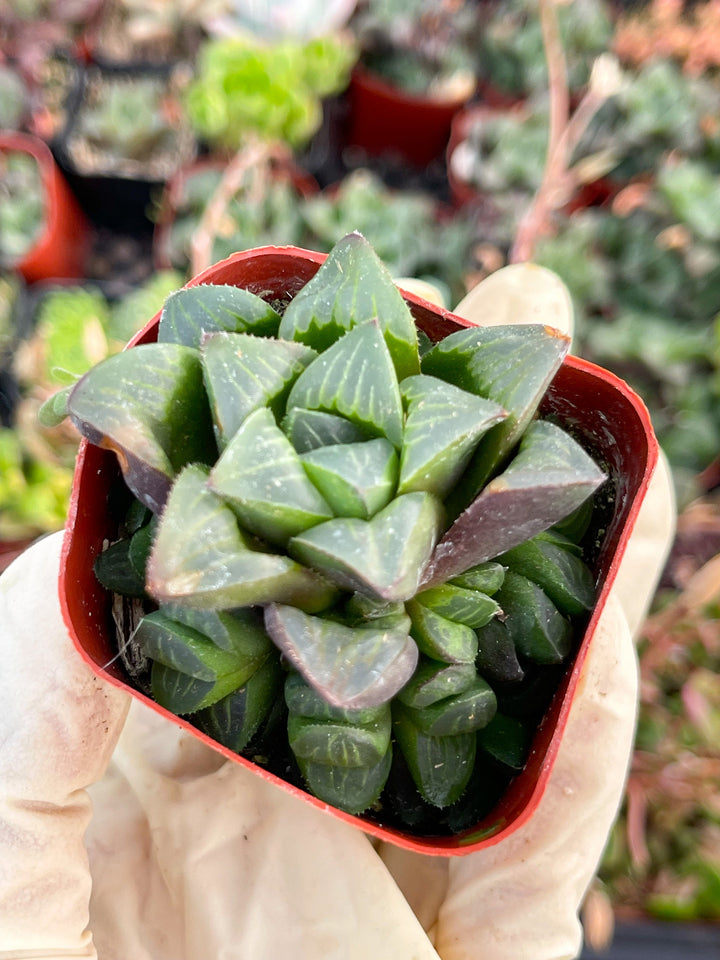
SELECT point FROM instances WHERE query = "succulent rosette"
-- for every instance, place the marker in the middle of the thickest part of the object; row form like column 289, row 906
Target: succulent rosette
column 349, row 553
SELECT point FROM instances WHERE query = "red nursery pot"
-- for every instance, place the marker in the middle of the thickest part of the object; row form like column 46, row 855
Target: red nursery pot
column 385, row 119
column 62, row 245
column 598, row 407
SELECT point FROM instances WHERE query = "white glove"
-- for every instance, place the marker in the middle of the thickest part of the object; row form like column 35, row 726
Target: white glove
column 192, row 857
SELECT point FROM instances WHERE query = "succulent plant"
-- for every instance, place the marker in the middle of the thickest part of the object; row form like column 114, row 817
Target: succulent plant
column 326, row 504
column 22, row 205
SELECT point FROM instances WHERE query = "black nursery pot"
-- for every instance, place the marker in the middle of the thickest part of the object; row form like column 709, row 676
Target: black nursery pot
column 118, row 193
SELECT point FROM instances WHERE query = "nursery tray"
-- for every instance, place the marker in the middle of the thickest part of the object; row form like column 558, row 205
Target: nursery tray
column 597, row 407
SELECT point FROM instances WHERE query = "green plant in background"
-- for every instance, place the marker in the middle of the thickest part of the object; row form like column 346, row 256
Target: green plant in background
column 130, row 126
column 162, row 32
column 392, row 529
column 425, row 47
column 22, row 205
column 662, row 857
column 245, row 88
column 512, row 57
column 406, row 228
column 10, row 290
column 646, row 284
column 13, row 99
column 74, row 328
column 657, row 110
column 264, row 210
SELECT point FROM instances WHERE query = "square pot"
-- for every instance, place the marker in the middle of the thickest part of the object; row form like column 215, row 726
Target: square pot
column 597, row 407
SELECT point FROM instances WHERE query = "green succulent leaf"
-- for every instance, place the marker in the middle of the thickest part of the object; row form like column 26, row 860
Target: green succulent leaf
column 535, row 625
column 55, row 409
column 309, row 429
column 464, row 712
column 235, row 719
column 352, row 789
column 201, row 558
column 440, row 766
column 383, row 557
column 351, row 667
column 261, row 477
column 192, row 312
column 507, row 740
column 139, row 403
column 303, row 701
column 442, row 428
column 186, row 650
column 116, row 572
column 485, row 577
column 550, row 476
column 470, row 607
column 340, row 744
column 351, row 287
column 497, row 658
column 440, row 638
column 244, row 373
column 511, row 365
column 563, row 576
column 355, row 379
column 356, row 479
column 183, row 694
column 240, row 631
column 433, row 681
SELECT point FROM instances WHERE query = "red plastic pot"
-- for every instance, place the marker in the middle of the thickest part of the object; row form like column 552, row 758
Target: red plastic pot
column 61, row 249
column 384, row 119
column 608, row 417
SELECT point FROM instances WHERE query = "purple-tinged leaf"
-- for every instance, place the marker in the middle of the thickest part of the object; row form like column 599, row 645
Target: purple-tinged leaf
column 201, row 558
column 351, row 287
column 350, row 667
column 511, row 365
column 192, row 312
column 356, row 479
column 383, row 557
column 442, row 428
column 550, row 476
column 261, row 477
column 149, row 406
column 244, row 373
column 355, row 378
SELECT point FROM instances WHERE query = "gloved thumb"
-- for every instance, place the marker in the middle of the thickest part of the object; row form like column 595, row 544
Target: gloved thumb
column 58, row 727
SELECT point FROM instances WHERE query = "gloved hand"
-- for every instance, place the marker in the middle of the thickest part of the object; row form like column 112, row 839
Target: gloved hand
column 193, row 858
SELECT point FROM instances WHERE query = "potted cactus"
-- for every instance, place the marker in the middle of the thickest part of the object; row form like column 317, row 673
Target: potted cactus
column 359, row 548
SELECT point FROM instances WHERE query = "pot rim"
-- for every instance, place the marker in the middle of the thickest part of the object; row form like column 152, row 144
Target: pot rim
column 493, row 829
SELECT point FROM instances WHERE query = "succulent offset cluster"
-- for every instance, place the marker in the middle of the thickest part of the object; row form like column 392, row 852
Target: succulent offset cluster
column 328, row 505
